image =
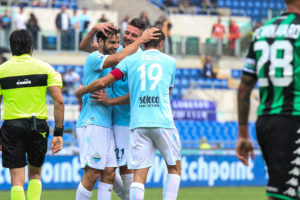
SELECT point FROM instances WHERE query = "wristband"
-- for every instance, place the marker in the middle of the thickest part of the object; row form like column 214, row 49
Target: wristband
column 58, row 131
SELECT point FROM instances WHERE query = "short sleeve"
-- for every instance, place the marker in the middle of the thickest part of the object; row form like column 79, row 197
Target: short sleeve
column 250, row 65
column 122, row 66
column 173, row 75
column 54, row 78
column 96, row 61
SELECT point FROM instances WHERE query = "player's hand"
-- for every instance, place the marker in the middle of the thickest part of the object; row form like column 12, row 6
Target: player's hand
column 101, row 97
column 244, row 149
column 56, row 144
column 78, row 92
column 149, row 34
column 104, row 27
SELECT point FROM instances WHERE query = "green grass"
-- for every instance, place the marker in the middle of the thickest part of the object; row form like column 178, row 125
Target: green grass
column 204, row 193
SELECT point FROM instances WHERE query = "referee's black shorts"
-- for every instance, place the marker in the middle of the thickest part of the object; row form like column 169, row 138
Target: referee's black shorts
column 19, row 139
column 279, row 139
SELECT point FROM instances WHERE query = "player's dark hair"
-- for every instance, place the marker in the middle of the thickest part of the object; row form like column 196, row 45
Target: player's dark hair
column 138, row 23
column 109, row 33
column 20, row 42
column 155, row 42
column 289, row 1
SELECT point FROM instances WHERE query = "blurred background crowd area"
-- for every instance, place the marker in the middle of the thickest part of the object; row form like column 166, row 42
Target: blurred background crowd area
column 208, row 38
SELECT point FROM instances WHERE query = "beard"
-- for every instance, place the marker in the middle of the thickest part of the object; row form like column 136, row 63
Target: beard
column 108, row 50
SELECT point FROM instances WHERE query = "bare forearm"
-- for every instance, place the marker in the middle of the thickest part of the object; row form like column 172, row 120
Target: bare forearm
column 59, row 113
column 88, row 44
column 120, row 100
column 114, row 59
column 244, row 92
column 94, row 86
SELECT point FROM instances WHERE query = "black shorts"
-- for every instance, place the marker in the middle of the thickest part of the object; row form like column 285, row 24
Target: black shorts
column 19, row 139
column 279, row 139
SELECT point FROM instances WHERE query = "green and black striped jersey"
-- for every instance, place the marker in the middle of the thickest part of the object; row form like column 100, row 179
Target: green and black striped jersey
column 274, row 59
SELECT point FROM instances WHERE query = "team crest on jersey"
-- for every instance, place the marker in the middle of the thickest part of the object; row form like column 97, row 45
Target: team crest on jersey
column 96, row 158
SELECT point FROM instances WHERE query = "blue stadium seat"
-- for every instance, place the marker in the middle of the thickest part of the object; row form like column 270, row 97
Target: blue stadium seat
column 61, row 69
column 178, row 73
column 221, row 3
column 186, row 73
column 185, row 82
column 243, row 4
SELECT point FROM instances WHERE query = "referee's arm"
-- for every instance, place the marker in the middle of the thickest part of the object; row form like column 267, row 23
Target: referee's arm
column 55, row 92
column 0, row 121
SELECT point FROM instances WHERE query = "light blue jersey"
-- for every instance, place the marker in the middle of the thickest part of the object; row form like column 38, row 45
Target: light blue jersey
column 92, row 112
column 121, row 113
column 150, row 75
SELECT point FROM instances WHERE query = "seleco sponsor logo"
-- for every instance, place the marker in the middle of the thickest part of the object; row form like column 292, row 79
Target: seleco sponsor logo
column 149, row 101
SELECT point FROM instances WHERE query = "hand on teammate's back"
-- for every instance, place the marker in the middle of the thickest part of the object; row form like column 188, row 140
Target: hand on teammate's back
column 244, row 149
column 101, row 97
column 149, row 34
column 78, row 93
column 104, row 27
column 56, row 144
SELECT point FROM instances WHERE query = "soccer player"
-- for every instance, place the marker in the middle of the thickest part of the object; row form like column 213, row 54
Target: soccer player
column 150, row 76
column 121, row 113
column 96, row 142
column 273, row 61
column 23, row 85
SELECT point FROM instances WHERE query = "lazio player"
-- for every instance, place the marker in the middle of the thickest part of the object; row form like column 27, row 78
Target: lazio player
column 120, row 113
column 150, row 76
column 94, row 124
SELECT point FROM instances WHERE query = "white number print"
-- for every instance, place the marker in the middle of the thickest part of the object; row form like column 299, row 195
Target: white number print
column 155, row 78
column 270, row 53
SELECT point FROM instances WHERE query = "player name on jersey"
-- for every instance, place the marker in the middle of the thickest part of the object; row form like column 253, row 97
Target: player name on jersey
column 291, row 31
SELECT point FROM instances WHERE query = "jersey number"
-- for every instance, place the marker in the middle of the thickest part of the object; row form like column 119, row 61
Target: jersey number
column 284, row 63
column 155, row 78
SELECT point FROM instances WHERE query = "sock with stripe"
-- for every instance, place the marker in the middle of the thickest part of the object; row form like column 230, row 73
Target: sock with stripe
column 171, row 187
column 17, row 193
column 137, row 191
column 34, row 190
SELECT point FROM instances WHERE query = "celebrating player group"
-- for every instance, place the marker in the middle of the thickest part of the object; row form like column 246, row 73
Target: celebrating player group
column 126, row 113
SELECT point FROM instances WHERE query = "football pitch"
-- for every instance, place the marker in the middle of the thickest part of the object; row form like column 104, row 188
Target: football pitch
column 197, row 193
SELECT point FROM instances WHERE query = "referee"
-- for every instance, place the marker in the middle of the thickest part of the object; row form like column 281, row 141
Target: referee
column 23, row 85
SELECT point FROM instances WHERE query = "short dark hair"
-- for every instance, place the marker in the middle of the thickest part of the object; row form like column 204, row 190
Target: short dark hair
column 109, row 33
column 20, row 42
column 138, row 23
column 289, row 1
column 155, row 42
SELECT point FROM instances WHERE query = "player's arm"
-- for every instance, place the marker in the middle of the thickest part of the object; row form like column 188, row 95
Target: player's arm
column 114, row 59
column 244, row 147
column 88, row 44
column 102, row 97
column 170, row 90
column 96, row 85
column 57, row 141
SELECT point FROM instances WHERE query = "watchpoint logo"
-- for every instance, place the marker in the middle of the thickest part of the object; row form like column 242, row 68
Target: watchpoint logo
column 149, row 101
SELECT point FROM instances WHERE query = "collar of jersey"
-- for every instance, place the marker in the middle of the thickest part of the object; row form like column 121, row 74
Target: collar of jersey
column 152, row 50
column 23, row 56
